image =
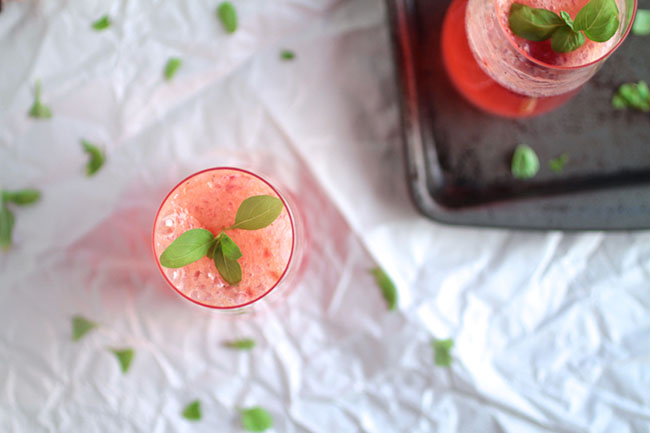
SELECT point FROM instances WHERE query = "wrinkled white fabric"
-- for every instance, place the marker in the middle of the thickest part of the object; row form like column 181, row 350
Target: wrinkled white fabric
column 551, row 329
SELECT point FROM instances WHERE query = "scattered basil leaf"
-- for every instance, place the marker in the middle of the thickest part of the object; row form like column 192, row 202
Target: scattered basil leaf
column 598, row 19
column 171, row 67
column 7, row 221
column 192, row 411
column 525, row 163
column 557, row 164
column 81, row 326
column 256, row 419
column 565, row 40
column 102, row 24
column 187, row 248
column 442, row 352
column 631, row 95
column 228, row 16
column 388, row 288
column 38, row 110
column 229, row 269
column 567, row 19
column 125, row 357
column 287, row 55
column 641, row 25
column 96, row 157
column 533, row 24
column 243, row 344
column 229, row 248
column 21, row 197
column 257, row 212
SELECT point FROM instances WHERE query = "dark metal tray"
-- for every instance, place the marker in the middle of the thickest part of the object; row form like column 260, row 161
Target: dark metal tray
column 458, row 158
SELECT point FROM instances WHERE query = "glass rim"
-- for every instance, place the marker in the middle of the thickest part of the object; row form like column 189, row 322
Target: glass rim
column 293, row 239
column 567, row 68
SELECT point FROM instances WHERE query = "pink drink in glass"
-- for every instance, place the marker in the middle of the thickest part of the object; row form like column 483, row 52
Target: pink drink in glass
column 209, row 200
column 504, row 74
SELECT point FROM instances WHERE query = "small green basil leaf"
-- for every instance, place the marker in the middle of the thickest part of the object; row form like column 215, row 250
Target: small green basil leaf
column 124, row 357
column 102, row 24
column 95, row 155
column 228, row 16
column 187, row 248
column 525, row 163
column 192, row 411
column 565, row 40
column 38, row 110
column 641, row 26
column 257, row 212
column 229, row 247
column 256, row 419
column 81, row 326
column 287, row 55
column 567, row 19
column 533, row 24
column 21, row 197
column 388, row 288
column 229, row 270
column 442, row 352
column 171, row 67
column 243, row 344
column 598, row 19
column 7, row 221
column 557, row 164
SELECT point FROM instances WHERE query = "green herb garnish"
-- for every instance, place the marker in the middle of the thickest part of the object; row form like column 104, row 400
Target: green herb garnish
column 228, row 16
column 254, row 213
column 102, row 24
column 525, row 163
column 171, row 67
column 598, row 20
column 21, row 197
column 192, row 411
column 442, row 351
column 242, row 344
column 81, row 326
column 641, row 25
column 388, row 288
column 124, row 357
column 631, row 95
column 95, row 155
column 287, row 55
column 38, row 109
column 557, row 164
column 256, row 419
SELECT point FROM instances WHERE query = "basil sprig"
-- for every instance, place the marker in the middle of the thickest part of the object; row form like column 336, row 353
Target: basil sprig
column 21, row 197
column 598, row 20
column 254, row 213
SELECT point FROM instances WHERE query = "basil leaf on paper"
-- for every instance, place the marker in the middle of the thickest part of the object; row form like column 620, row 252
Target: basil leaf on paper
column 124, row 357
column 242, row 344
column 21, row 197
column 442, row 352
column 7, row 221
column 192, row 411
column 38, row 109
column 81, row 326
column 256, row 419
column 102, row 24
column 388, row 288
column 95, row 155
column 228, row 16
column 171, row 67
column 189, row 247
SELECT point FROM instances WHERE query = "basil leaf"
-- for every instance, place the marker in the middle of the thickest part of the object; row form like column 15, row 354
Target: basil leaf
column 187, row 248
column 388, row 288
column 287, row 55
column 525, row 163
column 256, row 419
column 243, row 344
column 567, row 19
column 7, row 221
column 533, row 24
column 598, row 19
column 641, row 25
column 229, row 247
column 257, row 212
column 38, row 110
column 192, row 411
column 631, row 95
column 171, row 67
column 228, row 16
column 124, row 357
column 81, row 326
column 96, row 157
column 102, row 24
column 442, row 351
column 557, row 164
column 564, row 40
column 21, row 197
column 229, row 269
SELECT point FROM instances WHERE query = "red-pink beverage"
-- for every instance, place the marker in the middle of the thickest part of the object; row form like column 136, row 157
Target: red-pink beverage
column 209, row 200
column 508, row 75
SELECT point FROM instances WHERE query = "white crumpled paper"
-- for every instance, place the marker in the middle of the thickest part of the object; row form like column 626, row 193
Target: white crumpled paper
column 551, row 330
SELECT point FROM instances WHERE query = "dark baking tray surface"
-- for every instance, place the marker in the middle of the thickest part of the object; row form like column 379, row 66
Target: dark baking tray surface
column 458, row 158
